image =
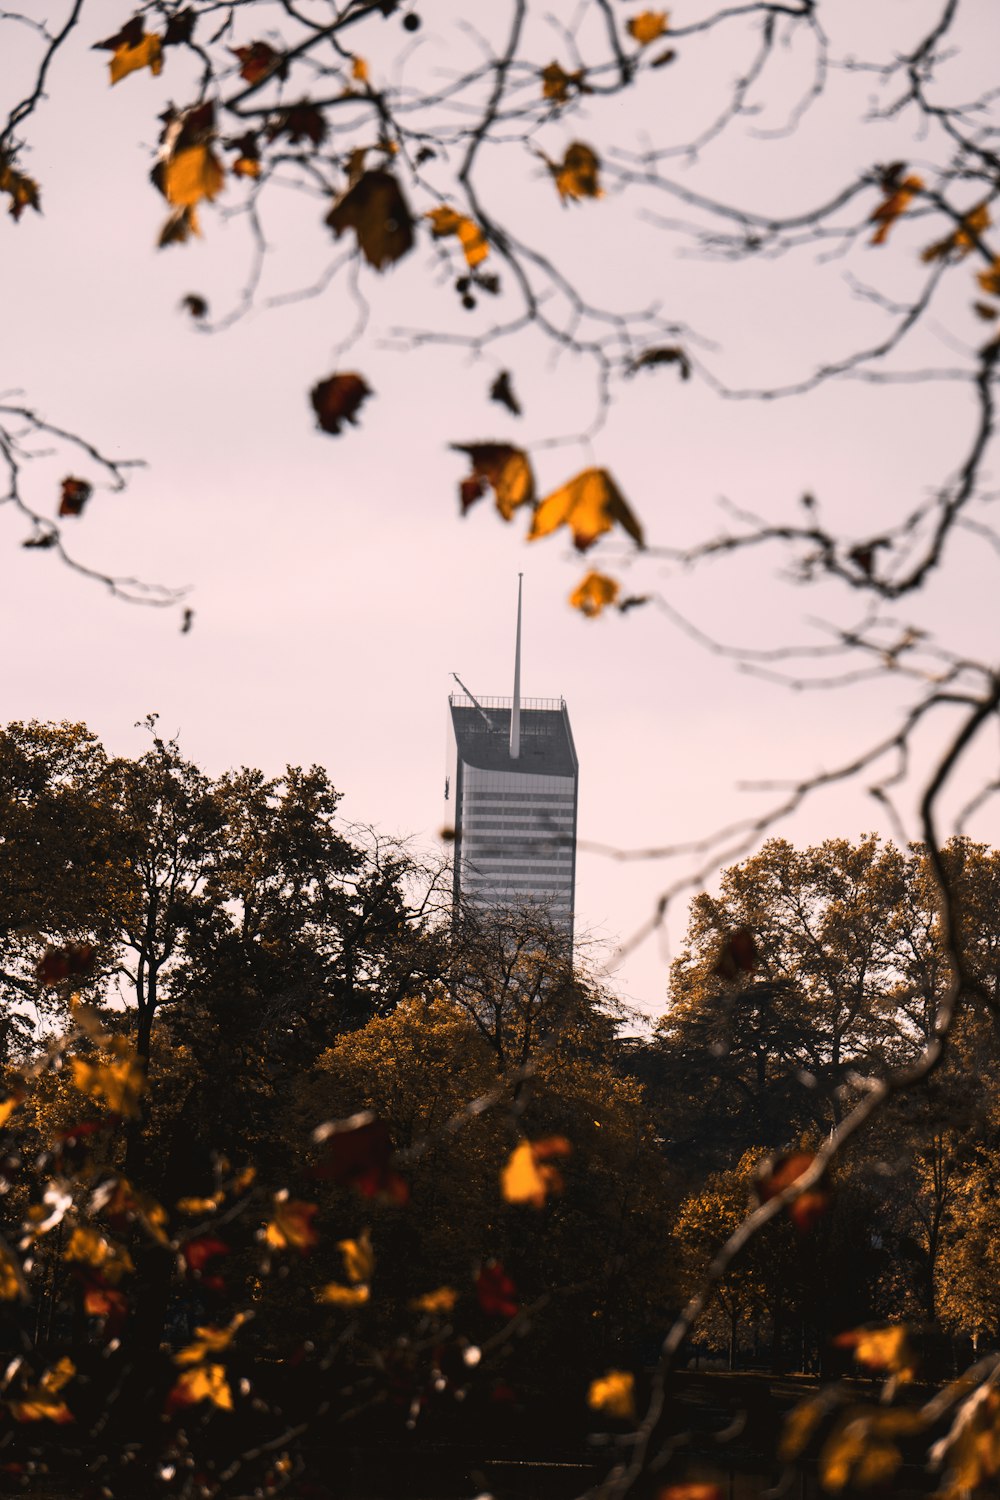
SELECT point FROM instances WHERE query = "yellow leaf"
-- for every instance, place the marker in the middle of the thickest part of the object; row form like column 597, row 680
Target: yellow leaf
column 647, row 26
column 359, row 1259
column 203, row 1383
column 13, row 1099
column 359, row 70
column 445, row 221
column 193, row 174
column 614, row 1394
column 577, row 174
column 129, row 59
column 209, row 1340
column 590, row 504
column 881, row 1349
column 343, row 1296
column 527, row 1176
column 896, row 201
column 438, row 1302
column 504, row 468
column 37, row 1407
column 593, row 593
column 90, row 1248
column 121, row 1084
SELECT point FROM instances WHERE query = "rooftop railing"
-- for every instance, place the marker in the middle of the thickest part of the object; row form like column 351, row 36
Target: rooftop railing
column 462, row 700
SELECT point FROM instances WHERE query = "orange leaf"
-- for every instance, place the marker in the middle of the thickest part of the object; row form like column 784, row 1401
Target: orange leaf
column 899, row 196
column 593, row 593
column 202, row 1383
column 990, row 280
column 292, row 1226
column 527, row 1177
column 647, row 26
column 502, row 467
column 614, row 1394
column 132, row 48
column 438, row 1303
column 590, row 504
column 336, row 1295
column 445, row 221
column 881, row 1349
column 121, row 1083
column 576, row 176
column 191, row 175
column 961, row 240
column 337, row 400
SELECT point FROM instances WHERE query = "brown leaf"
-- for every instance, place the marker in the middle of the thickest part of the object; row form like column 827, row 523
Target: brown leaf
column 357, row 1152
column 180, row 28
column 302, row 120
column 672, row 355
column 74, row 495
column 576, row 176
column 501, row 390
column 374, row 207
column 23, row 191
column 559, row 86
column 496, row 1291
column 195, row 305
column 258, row 60
column 776, row 1173
column 338, row 399
column 506, row 469
column 737, row 955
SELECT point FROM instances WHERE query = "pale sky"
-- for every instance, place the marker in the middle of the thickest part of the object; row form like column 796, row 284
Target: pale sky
column 336, row 588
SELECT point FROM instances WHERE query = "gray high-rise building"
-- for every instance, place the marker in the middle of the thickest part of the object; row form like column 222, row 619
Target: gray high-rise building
column 513, row 784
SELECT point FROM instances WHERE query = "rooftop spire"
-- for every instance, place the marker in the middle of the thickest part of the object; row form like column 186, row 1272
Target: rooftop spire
column 515, row 712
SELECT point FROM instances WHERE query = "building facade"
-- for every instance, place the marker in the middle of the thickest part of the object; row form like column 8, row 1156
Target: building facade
column 514, row 789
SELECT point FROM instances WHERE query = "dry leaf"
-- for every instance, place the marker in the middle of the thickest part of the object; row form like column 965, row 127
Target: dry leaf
column 359, row 1258
column 375, row 208
column 961, row 240
column 502, row 467
column 438, row 1303
column 590, row 504
column 132, row 48
column 292, row 1226
column 737, row 955
column 258, row 60
column 338, row 399
column 191, row 175
column 557, row 84
column 593, row 593
column 74, row 960
column 881, row 1349
column 502, row 391
column 647, row 26
column 528, row 1177
column 576, row 176
column 121, row 1084
column 776, row 1173
column 343, row 1296
column 23, row 191
column 899, row 196
column 445, row 221
column 210, row 1340
column 613, row 1394
column 202, row 1383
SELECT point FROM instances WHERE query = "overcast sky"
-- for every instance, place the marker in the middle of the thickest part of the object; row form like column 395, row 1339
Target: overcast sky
column 336, row 588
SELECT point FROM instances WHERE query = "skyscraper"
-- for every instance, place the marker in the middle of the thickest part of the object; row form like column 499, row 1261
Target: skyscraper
column 514, row 787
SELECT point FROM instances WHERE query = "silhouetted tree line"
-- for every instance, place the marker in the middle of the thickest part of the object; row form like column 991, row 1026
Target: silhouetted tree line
column 293, row 1162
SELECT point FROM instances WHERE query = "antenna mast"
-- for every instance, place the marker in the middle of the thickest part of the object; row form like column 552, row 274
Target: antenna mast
column 515, row 712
